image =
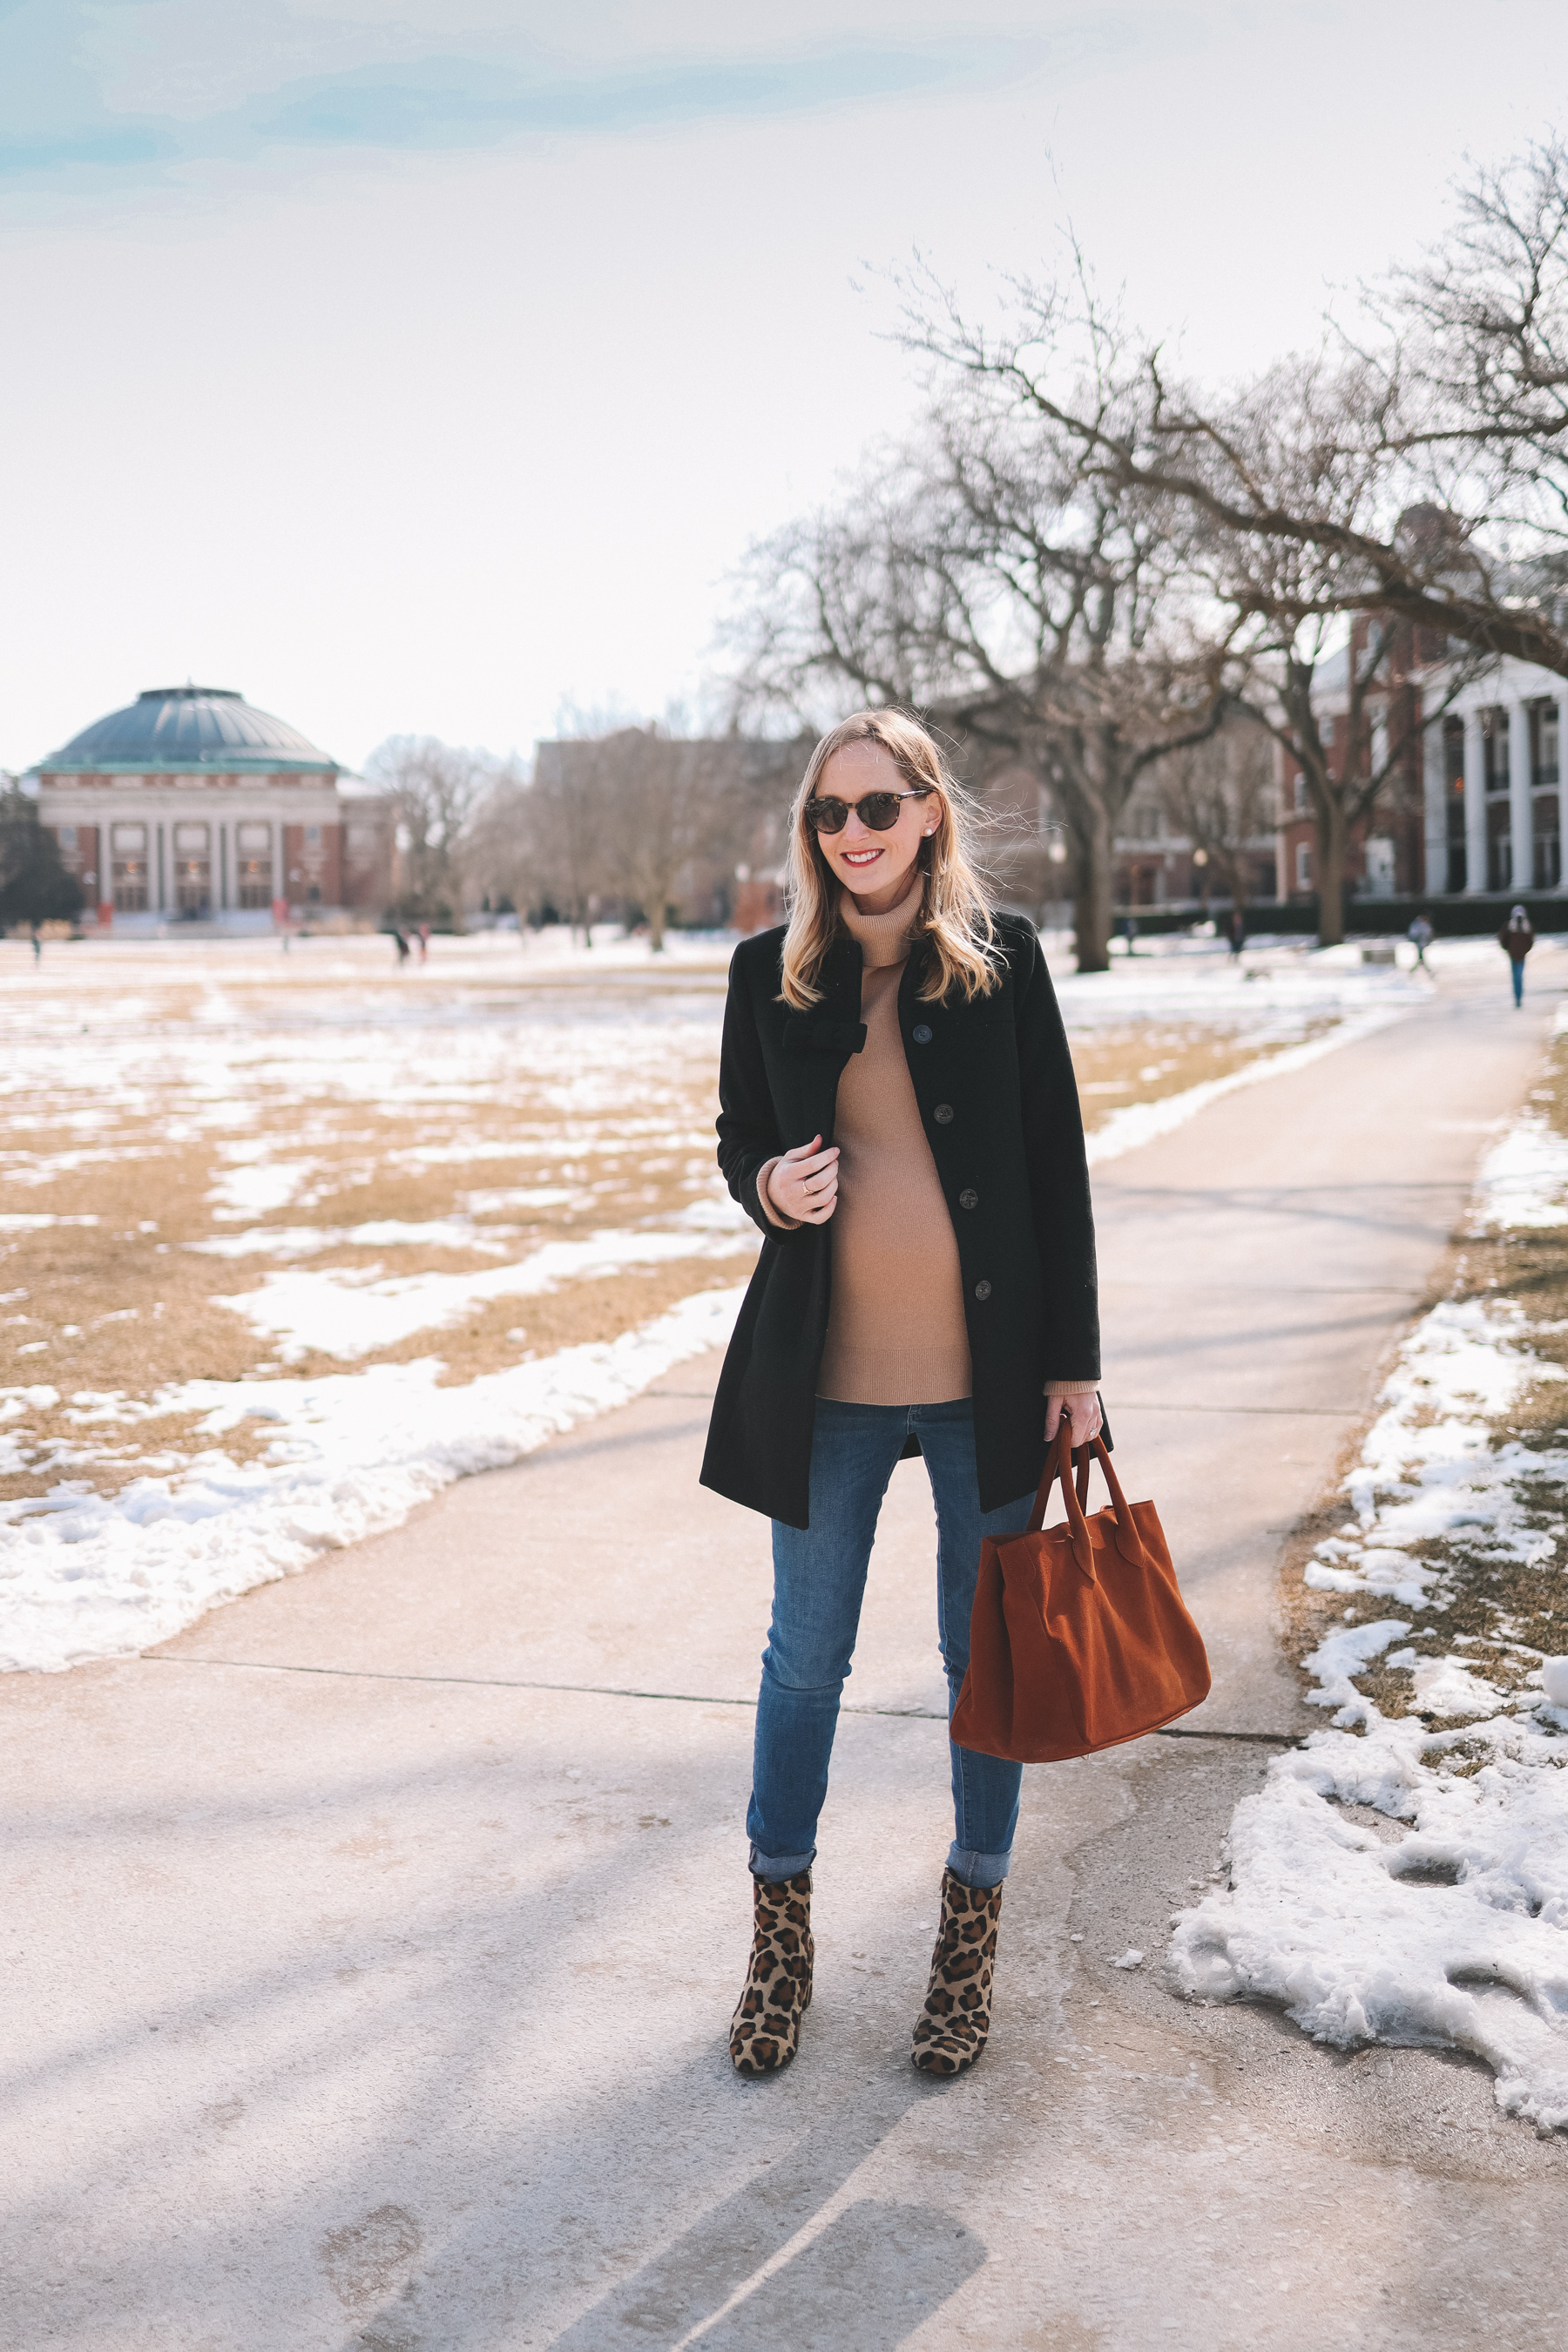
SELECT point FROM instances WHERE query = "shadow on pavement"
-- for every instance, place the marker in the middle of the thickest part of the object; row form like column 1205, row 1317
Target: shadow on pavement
column 873, row 2276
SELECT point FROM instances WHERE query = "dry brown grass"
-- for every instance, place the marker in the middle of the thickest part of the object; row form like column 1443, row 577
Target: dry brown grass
column 1482, row 1607
column 1146, row 1064
column 142, row 1075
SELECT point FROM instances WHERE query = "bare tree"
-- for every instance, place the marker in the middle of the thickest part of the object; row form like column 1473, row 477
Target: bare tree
column 569, row 820
column 1222, row 796
column 986, row 575
column 670, row 806
column 434, row 789
column 498, row 863
column 1453, row 413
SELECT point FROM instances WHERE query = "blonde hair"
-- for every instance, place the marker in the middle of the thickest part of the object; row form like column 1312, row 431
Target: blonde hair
column 955, row 921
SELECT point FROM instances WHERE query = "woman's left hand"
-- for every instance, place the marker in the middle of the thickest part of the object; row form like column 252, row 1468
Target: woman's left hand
column 1083, row 1418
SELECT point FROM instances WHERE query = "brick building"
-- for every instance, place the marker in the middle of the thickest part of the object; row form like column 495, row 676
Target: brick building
column 191, row 806
column 1478, row 806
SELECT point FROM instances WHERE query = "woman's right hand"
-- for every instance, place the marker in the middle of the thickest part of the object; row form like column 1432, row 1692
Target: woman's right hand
column 804, row 1182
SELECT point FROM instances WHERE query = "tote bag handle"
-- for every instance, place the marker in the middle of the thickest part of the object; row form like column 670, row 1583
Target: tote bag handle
column 1076, row 1495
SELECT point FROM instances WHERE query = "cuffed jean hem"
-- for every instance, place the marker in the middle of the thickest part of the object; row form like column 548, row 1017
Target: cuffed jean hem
column 977, row 1869
column 780, row 1865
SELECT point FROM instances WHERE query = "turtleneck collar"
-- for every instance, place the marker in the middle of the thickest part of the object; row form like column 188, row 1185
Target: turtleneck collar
column 884, row 938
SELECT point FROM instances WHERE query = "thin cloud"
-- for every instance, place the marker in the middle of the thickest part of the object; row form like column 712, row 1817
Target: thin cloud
column 455, row 103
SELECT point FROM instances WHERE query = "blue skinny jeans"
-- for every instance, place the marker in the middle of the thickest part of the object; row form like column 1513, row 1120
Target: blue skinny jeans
column 819, row 1579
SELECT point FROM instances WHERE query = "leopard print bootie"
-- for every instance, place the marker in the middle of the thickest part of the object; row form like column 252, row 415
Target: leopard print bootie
column 950, row 2030
column 765, row 2028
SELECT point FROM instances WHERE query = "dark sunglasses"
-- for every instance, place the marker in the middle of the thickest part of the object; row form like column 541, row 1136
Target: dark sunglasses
column 877, row 809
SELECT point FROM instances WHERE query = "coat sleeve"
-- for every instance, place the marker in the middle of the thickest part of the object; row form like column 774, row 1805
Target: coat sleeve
column 1059, row 1171
column 748, row 1126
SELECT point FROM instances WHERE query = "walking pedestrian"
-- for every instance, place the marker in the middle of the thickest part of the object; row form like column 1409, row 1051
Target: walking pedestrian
column 1516, row 939
column 898, row 1116
column 1420, row 932
column 401, row 944
column 423, row 937
column 37, row 946
column 1235, row 931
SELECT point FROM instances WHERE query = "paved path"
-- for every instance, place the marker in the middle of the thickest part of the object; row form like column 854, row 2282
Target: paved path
column 369, row 1950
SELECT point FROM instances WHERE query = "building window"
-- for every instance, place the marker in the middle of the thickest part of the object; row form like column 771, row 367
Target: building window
column 1495, row 742
column 1550, row 754
column 130, row 839
column 313, row 836
column 1303, row 866
column 130, row 884
column 67, row 837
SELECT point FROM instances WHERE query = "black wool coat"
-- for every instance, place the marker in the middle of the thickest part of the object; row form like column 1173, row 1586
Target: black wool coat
column 996, row 1089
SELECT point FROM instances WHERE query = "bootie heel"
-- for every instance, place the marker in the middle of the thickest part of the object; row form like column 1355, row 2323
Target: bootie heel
column 764, row 2031
column 952, row 2028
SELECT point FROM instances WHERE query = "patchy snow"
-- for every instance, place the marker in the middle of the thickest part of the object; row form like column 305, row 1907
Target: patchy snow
column 378, row 1233
column 1525, row 1180
column 1445, row 1923
column 1431, row 1467
column 1453, row 1934
column 89, row 1576
column 348, row 1312
column 17, row 1221
column 254, row 1181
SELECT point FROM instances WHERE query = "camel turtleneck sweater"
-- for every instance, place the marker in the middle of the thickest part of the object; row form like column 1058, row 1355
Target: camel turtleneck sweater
column 896, row 1333
column 896, row 1329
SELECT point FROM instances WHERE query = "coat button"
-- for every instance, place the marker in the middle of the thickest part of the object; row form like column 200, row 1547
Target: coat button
column 982, row 1290
column 921, row 1032
column 942, row 1114
column 969, row 1200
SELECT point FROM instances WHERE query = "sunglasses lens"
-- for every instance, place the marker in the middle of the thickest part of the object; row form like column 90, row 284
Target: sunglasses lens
column 879, row 811
column 826, row 816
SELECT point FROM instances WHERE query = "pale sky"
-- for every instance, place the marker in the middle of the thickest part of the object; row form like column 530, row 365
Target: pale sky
column 418, row 368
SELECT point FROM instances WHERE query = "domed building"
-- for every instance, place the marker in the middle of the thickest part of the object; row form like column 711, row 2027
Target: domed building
column 191, row 806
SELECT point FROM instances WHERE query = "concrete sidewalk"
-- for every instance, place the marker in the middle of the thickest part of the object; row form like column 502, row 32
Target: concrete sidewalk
column 370, row 1949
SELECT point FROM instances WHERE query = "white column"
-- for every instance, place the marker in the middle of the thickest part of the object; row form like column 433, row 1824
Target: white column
column 1475, row 805
column 1521, row 814
column 1434, row 795
column 1562, row 789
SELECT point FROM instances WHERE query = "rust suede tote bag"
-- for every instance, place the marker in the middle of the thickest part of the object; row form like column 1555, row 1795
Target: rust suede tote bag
column 1080, row 1638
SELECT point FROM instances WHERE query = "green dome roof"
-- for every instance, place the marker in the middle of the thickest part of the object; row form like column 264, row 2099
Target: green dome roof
column 189, row 727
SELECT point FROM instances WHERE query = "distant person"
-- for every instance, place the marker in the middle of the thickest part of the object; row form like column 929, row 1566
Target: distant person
column 1236, row 930
column 1130, row 932
column 37, row 946
column 401, row 944
column 897, row 1010
column 424, row 941
column 1421, row 935
column 1516, row 939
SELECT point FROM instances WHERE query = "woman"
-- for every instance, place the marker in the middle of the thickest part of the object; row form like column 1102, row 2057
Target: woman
column 1516, row 939
column 899, row 1117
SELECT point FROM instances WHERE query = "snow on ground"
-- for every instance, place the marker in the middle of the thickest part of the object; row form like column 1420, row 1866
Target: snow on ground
column 133, row 1050
column 1441, row 1915
column 91, row 1577
column 349, row 1311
